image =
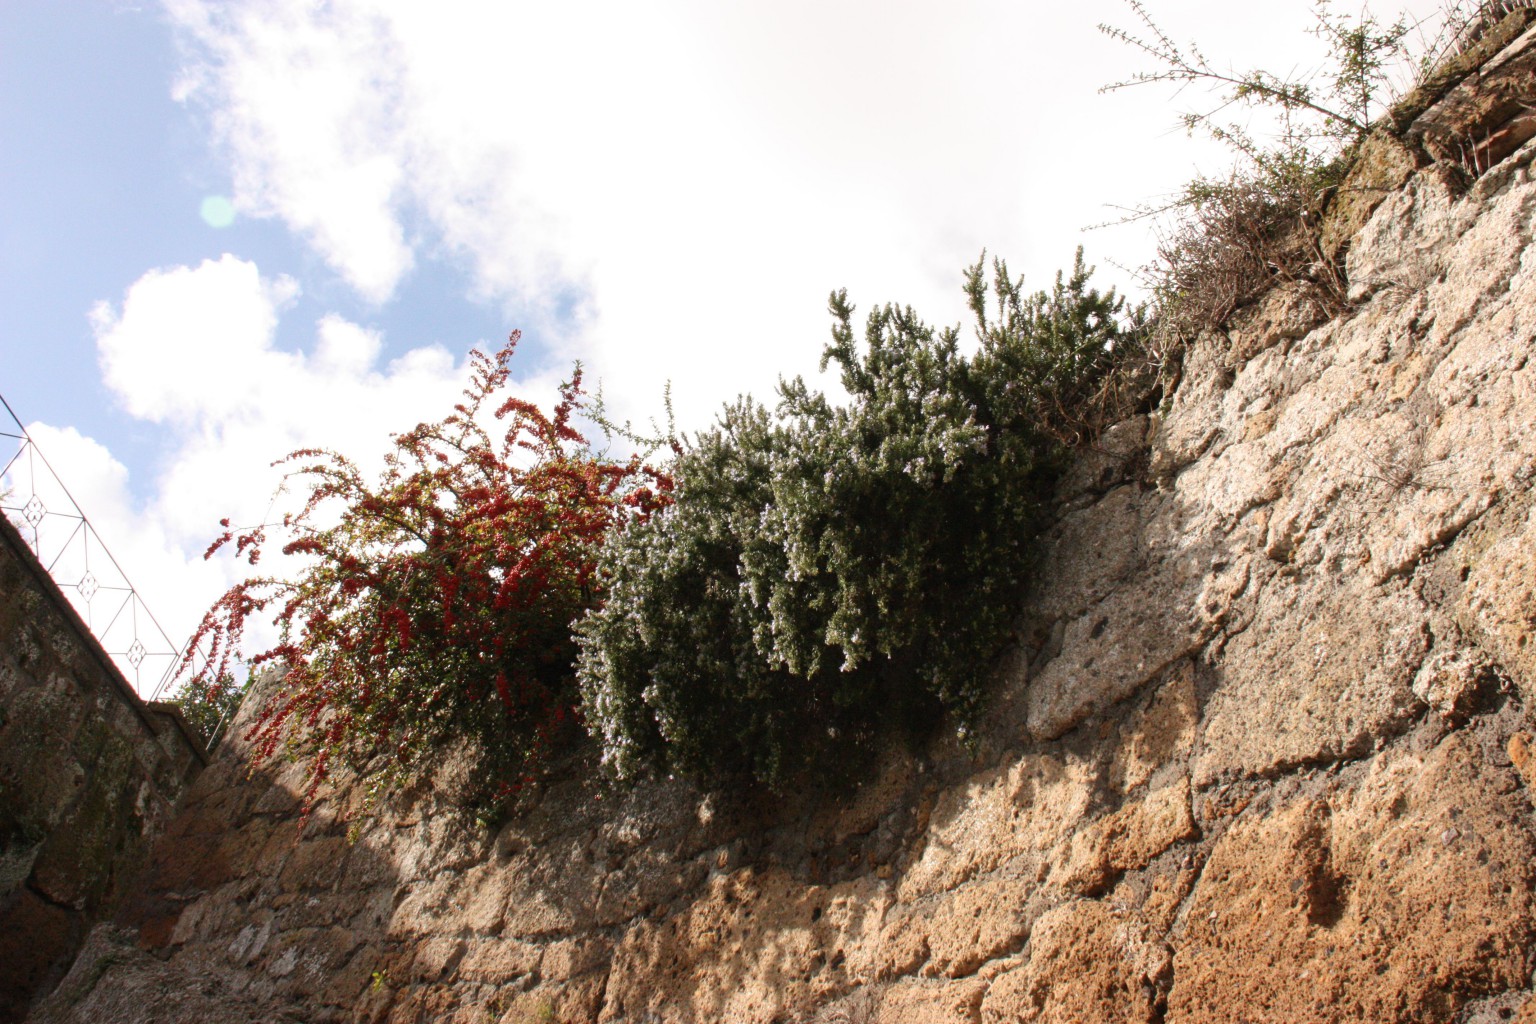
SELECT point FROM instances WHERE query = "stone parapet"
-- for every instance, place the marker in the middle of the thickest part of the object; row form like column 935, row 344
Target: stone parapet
column 89, row 775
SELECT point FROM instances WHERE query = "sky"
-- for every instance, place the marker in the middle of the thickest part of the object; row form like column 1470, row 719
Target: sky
column 233, row 228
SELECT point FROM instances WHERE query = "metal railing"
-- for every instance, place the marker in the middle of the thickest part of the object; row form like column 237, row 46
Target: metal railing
column 38, row 503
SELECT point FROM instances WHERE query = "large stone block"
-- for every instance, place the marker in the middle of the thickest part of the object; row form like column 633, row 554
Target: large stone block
column 1399, row 897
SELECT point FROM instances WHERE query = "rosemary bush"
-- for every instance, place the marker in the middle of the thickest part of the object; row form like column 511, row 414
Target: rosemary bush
column 832, row 574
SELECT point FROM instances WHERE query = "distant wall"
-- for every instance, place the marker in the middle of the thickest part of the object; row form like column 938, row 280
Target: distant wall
column 89, row 774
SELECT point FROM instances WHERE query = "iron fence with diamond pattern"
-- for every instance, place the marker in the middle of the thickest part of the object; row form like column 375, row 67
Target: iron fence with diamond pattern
column 42, row 509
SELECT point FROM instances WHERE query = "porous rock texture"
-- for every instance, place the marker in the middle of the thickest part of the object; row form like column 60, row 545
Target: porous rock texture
column 1263, row 752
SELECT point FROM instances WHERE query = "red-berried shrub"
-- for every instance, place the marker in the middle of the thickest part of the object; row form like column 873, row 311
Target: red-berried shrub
column 435, row 605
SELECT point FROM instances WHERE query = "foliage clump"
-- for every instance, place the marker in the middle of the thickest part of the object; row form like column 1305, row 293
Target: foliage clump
column 208, row 704
column 836, row 572
column 436, row 604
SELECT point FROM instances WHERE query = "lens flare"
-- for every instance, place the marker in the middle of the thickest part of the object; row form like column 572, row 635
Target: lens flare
column 217, row 211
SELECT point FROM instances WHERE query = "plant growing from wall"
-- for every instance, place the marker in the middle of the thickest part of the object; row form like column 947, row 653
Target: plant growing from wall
column 1339, row 102
column 209, row 704
column 436, row 603
column 838, row 572
column 1230, row 237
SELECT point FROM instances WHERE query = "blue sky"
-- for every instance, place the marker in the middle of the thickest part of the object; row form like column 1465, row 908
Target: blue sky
column 92, row 155
column 666, row 191
column 105, row 175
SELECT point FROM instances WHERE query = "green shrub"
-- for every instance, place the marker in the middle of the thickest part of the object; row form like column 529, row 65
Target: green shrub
column 209, row 705
column 839, row 572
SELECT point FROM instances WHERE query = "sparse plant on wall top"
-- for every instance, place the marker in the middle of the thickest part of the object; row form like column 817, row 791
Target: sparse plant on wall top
column 1339, row 102
column 1228, row 238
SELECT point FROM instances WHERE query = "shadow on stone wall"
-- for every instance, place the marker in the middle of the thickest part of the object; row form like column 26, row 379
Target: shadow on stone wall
column 653, row 897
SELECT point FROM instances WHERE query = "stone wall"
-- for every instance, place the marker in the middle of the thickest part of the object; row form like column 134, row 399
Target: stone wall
column 1264, row 752
column 89, row 775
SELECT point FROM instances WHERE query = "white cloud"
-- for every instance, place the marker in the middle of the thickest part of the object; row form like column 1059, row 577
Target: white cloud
column 344, row 347
column 192, row 349
column 96, row 564
column 303, row 101
column 102, row 482
column 180, row 329
column 700, row 174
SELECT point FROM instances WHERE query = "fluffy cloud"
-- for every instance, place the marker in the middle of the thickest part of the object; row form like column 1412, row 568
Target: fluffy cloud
column 182, row 328
column 697, row 176
column 306, row 99
column 90, row 568
column 192, row 350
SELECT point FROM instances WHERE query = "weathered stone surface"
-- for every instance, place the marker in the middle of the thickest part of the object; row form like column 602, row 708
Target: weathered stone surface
column 1398, row 896
column 1486, row 43
column 982, row 921
column 1112, row 461
column 1404, row 243
column 1023, row 807
column 37, row 938
column 1090, row 552
column 1126, row 840
column 1286, row 313
column 755, row 946
column 926, row 1002
column 1453, row 679
column 1497, row 603
column 1382, row 166
column 1159, row 734
column 1320, row 675
column 1113, row 649
column 1485, row 117
column 1088, row 961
